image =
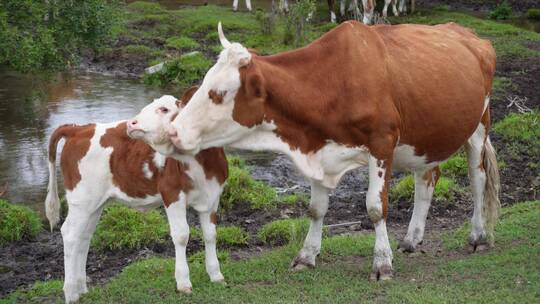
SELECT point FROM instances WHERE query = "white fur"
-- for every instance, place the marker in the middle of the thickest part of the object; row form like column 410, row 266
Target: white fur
column 423, row 192
column 477, row 177
column 248, row 5
column 146, row 170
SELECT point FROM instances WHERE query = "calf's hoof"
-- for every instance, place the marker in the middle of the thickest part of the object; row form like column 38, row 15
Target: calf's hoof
column 406, row 247
column 300, row 263
column 479, row 243
column 382, row 273
column 184, row 290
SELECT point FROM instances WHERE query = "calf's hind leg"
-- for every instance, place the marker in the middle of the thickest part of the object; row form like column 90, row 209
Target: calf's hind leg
column 312, row 245
column 208, row 224
column 424, row 186
column 77, row 231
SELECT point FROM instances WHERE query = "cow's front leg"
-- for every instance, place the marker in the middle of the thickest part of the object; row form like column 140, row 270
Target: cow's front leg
column 208, row 224
column 312, row 245
column 176, row 214
column 424, row 185
column 377, row 204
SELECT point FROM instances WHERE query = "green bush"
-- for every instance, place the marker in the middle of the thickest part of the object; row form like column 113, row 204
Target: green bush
column 182, row 43
column 17, row 223
column 49, row 35
column 404, row 189
column 502, row 11
column 183, row 71
column 533, row 13
column 455, row 166
column 232, row 236
column 199, row 257
column 519, row 126
column 285, row 231
column 126, row 228
column 296, row 24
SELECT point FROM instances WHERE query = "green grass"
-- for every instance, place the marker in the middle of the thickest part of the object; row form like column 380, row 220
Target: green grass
column 227, row 236
column 533, row 13
column 455, row 166
column 121, row 227
column 295, row 198
column 198, row 257
column 508, row 40
column 506, row 274
column 285, row 231
column 182, row 71
column 501, row 85
column 17, row 223
column 404, row 189
column 182, row 43
column 519, row 126
column 241, row 188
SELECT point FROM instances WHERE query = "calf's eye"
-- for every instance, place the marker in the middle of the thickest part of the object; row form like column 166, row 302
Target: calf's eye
column 164, row 110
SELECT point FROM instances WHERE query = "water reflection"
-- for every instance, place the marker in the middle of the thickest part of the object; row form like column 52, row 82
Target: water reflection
column 31, row 109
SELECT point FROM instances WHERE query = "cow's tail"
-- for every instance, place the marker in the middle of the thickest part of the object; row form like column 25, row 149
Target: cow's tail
column 52, row 202
column 491, row 203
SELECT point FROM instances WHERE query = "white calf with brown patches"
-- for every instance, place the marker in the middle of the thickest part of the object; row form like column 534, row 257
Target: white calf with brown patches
column 100, row 161
column 333, row 112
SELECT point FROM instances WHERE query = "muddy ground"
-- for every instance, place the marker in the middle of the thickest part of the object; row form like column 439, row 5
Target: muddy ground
column 23, row 263
column 520, row 6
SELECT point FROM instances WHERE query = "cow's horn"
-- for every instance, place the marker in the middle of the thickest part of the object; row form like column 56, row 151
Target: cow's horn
column 224, row 42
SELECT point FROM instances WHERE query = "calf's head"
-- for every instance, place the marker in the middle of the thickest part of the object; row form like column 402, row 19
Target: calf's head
column 227, row 106
column 152, row 124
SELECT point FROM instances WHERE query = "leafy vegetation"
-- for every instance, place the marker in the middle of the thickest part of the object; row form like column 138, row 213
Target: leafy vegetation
column 506, row 274
column 183, row 71
column 242, row 188
column 519, row 126
column 17, row 223
column 502, row 11
column 295, row 25
column 295, row 198
column 199, row 256
column 229, row 236
column 533, row 13
column 285, row 231
column 455, row 166
column 49, row 35
column 404, row 189
column 182, row 43
column 121, row 227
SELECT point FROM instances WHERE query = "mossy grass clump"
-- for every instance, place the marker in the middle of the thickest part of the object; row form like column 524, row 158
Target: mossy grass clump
column 242, row 188
column 533, row 13
column 182, row 43
column 295, row 198
column 284, row 231
column 404, row 189
column 121, row 227
column 227, row 236
column 519, row 126
column 17, row 223
column 455, row 166
column 183, row 71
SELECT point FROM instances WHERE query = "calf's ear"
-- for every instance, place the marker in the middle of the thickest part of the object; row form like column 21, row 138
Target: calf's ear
column 183, row 101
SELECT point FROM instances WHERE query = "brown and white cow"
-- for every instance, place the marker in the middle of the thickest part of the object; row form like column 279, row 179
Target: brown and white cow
column 390, row 97
column 100, row 161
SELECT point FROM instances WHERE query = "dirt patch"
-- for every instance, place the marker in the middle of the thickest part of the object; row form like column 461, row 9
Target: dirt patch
column 478, row 5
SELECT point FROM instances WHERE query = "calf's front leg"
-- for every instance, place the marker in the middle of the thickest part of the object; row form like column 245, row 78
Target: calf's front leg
column 176, row 214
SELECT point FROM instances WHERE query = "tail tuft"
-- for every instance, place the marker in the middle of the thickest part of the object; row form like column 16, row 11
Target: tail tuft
column 491, row 203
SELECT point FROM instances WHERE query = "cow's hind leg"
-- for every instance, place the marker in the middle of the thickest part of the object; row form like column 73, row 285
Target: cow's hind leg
column 377, row 204
column 484, row 178
column 424, row 185
column 208, row 224
column 312, row 245
column 77, row 231
column 176, row 214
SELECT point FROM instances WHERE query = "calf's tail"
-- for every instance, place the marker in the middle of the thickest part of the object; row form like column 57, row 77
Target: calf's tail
column 491, row 203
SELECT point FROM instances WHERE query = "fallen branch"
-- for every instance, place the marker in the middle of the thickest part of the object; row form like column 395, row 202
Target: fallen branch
column 519, row 103
column 342, row 224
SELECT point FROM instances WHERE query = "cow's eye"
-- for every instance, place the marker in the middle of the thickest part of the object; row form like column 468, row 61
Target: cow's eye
column 164, row 110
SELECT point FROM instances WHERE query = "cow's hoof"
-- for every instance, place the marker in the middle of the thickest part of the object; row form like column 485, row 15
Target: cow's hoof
column 220, row 282
column 299, row 264
column 185, row 290
column 383, row 273
column 406, row 247
column 479, row 243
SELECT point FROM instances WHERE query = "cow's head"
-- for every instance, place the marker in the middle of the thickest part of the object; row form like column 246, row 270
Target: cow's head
column 151, row 125
column 227, row 106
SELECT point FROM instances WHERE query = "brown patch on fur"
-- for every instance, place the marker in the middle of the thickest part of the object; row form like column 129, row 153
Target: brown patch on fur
column 216, row 97
column 214, row 164
column 76, row 146
column 183, row 101
column 431, row 177
column 312, row 213
column 173, row 180
column 213, row 218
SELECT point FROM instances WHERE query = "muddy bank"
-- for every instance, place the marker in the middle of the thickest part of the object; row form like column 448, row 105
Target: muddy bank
column 479, row 5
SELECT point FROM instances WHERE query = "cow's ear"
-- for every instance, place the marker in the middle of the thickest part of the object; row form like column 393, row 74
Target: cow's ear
column 183, row 101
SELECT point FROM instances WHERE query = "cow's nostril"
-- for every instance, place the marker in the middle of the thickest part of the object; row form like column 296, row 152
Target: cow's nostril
column 173, row 133
column 134, row 122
